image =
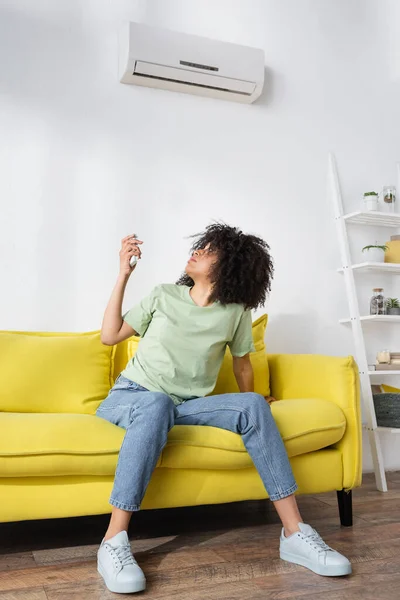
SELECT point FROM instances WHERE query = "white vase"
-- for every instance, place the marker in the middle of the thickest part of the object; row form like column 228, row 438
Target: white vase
column 374, row 255
column 371, row 202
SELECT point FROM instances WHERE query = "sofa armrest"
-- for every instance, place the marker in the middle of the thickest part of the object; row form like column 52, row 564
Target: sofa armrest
column 330, row 378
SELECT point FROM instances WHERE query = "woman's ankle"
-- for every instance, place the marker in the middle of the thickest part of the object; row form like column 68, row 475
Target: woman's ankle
column 119, row 521
column 293, row 528
column 112, row 532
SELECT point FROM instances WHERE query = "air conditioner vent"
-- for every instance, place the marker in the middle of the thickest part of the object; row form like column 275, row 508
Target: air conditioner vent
column 185, row 63
column 152, row 57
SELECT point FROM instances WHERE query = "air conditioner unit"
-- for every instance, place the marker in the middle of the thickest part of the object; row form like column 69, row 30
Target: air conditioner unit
column 161, row 58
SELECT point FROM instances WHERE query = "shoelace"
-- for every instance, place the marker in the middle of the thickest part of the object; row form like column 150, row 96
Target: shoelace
column 317, row 542
column 124, row 555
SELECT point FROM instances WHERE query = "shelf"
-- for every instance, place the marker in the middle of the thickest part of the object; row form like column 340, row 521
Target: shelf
column 389, row 429
column 372, row 217
column 385, row 373
column 382, row 318
column 383, row 429
column 375, row 267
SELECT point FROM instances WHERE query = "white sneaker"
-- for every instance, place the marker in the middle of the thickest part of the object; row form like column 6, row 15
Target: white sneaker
column 117, row 566
column 307, row 548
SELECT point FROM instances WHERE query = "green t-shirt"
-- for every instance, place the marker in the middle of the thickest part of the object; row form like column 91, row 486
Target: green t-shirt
column 182, row 345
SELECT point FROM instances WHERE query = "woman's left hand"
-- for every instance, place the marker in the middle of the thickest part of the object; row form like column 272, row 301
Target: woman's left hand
column 270, row 399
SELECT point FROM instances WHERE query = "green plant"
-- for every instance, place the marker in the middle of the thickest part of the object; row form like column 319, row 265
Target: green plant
column 392, row 303
column 384, row 247
column 370, row 194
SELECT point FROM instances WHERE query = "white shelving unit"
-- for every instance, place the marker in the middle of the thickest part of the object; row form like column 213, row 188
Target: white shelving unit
column 356, row 320
column 383, row 373
column 372, row 217
column 381, row 318
column 388, row 430
column 368, row 267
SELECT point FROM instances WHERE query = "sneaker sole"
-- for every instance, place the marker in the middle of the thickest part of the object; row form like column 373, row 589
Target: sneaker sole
column 123, row 588
column 326, row 570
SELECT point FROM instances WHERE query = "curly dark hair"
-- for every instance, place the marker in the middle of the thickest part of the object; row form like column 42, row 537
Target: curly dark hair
column 244, row 268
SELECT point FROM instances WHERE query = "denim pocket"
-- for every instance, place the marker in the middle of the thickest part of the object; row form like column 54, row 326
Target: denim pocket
column 123, row 383
column 117, row 398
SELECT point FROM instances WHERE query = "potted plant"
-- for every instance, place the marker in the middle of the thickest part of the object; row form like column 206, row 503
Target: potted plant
column 376, row 252
column 392, row 306
column 371, row 200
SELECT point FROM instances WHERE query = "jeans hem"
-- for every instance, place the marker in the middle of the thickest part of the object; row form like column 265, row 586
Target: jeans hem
column 285, row 494
column 122, row 506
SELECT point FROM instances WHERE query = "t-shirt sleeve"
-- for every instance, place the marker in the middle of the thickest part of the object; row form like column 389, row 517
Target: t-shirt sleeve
column 141, row 314
column 242, row 341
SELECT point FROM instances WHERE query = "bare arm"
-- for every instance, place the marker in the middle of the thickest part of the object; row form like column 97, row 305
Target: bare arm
column 114, row 329
column 243, row 372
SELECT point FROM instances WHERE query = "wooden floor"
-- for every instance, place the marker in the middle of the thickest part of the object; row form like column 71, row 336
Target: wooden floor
column 217, row 552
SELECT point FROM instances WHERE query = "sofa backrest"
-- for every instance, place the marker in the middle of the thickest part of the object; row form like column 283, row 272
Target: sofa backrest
column 54, row 372
column 73, row 372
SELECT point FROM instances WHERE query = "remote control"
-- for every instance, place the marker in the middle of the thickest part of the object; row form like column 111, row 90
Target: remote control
column 133, row 259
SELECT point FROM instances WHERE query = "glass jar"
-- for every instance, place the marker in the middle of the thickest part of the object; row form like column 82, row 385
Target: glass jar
column 389, row 198
column 377, row 304
column 383, row 357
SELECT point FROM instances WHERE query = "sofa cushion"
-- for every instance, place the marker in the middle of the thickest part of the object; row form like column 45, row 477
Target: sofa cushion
column 54, row 372
column 68, row 444
column 37, row 444
column 226, row 382
column 308, row 424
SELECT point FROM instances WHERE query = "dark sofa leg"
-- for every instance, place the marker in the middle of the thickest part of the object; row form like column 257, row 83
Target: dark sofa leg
column 345, row 508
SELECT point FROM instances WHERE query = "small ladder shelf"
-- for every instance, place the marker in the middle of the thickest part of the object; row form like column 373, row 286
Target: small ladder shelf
column 357, row 321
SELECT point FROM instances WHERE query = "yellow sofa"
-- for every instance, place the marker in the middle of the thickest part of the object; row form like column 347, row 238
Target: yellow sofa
column 57, row 459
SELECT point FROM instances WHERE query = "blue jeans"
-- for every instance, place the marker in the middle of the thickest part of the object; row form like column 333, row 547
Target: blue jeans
column 148, row 417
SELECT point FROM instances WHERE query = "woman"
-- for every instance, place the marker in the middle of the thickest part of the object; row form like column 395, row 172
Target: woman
column 185, row 328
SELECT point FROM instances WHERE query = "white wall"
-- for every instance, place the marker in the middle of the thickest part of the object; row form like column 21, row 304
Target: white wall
column 85, row 160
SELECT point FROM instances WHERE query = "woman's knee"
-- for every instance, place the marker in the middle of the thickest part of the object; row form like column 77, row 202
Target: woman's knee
column 156, row 407
column 256, row 402
column 160, row 406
